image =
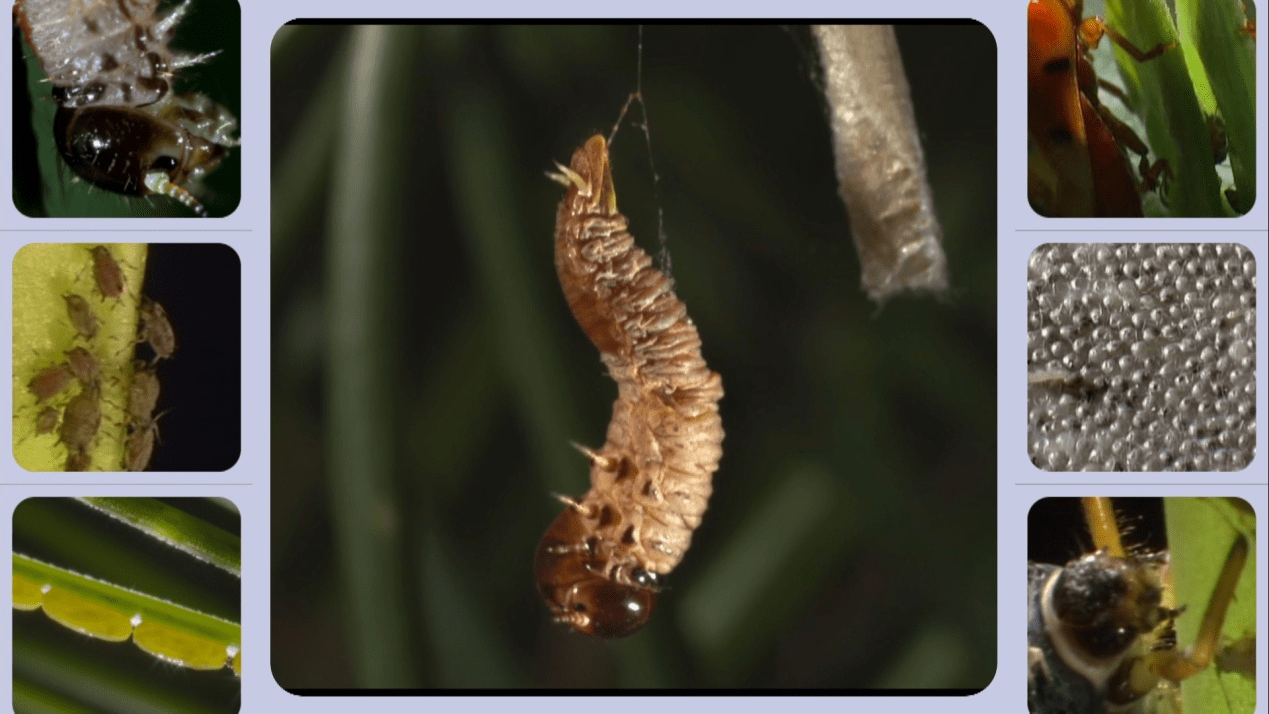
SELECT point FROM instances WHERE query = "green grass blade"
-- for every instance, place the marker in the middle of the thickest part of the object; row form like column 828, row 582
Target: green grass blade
column 1163, row 94
column 1218, row 51
column 175, row 527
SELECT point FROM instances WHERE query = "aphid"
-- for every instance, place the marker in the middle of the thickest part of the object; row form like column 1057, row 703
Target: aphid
column 107, row 273
column 1087, row 622
column 83, row 365
column 50, row 382
column 156, row 329
column 139, row 447
column 120, row 125
column 77, row 459
column 1238, row 657
column 81, row 316
column 599, row 565
column 1077, row 164
column 143, row 396
column 82, row 418
column 46, row 420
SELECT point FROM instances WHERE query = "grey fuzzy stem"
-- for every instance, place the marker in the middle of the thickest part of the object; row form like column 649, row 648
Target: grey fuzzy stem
column 880, row 166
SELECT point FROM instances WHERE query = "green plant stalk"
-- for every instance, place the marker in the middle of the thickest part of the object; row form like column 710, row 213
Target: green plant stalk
column 129, row 602
column 360, row 385
column 42, row 333
column 1200, row 533
column 175, row 527
column 1162, row 93
column 1225, row 58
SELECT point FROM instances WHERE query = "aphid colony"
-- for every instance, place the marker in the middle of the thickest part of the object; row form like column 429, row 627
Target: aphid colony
column 119, row 124
column 76, row 419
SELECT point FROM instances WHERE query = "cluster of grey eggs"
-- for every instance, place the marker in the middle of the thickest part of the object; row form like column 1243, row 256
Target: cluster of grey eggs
column 79, row 419
column 1141, row 357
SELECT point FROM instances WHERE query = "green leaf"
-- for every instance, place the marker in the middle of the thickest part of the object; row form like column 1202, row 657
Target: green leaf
column 1200, row 533
column 42, row 333
column 1162, row 92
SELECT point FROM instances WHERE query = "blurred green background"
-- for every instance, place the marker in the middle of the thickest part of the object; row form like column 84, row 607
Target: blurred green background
column 428, row 377
column 43, row 185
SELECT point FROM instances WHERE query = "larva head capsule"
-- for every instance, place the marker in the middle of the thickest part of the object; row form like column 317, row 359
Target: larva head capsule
column 579, row 595
column 589, row 179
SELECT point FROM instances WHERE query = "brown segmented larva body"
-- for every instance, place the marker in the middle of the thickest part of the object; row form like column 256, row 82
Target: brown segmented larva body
column 599, row 563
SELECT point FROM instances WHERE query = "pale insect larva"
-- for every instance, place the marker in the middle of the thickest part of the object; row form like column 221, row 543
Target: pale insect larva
column 599, row 565
column 119, row 124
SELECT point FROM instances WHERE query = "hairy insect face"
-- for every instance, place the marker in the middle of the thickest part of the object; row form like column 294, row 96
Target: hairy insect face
column 1103, row 603
column 581, row 597
column 1084, row 621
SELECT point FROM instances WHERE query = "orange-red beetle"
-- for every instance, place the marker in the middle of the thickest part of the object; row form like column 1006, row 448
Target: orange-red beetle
column 1076, row 148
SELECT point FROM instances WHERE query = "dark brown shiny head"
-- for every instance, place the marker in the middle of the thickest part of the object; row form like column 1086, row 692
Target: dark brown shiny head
column 580, row 595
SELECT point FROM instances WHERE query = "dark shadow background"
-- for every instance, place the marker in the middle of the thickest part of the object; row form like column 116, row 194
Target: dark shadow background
column 851, row 538
column 209, row 25
column 200, row 286
column 1057, row 532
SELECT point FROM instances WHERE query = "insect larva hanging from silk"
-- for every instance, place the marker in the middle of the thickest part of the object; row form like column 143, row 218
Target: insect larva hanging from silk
column 600, row 563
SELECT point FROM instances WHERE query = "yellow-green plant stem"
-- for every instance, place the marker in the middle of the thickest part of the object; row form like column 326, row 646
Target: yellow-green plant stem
column 103, row 610
column 1200, row 533
column 43, row 273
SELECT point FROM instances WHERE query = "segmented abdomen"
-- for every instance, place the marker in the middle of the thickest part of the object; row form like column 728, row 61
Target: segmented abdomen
column 651, row 480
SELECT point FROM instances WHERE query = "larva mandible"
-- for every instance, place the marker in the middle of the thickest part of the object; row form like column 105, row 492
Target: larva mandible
column 599, row 564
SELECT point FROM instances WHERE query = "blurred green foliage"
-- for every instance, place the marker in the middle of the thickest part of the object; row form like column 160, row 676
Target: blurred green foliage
column 428, row 377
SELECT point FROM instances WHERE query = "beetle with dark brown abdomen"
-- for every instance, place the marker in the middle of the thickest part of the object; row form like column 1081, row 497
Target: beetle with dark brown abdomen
column 599, row 564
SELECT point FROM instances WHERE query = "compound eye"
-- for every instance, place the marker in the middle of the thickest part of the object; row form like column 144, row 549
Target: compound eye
column 164, row 163
column 614, row 610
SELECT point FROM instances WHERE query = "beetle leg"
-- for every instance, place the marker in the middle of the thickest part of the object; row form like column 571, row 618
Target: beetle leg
column 1094, row 28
